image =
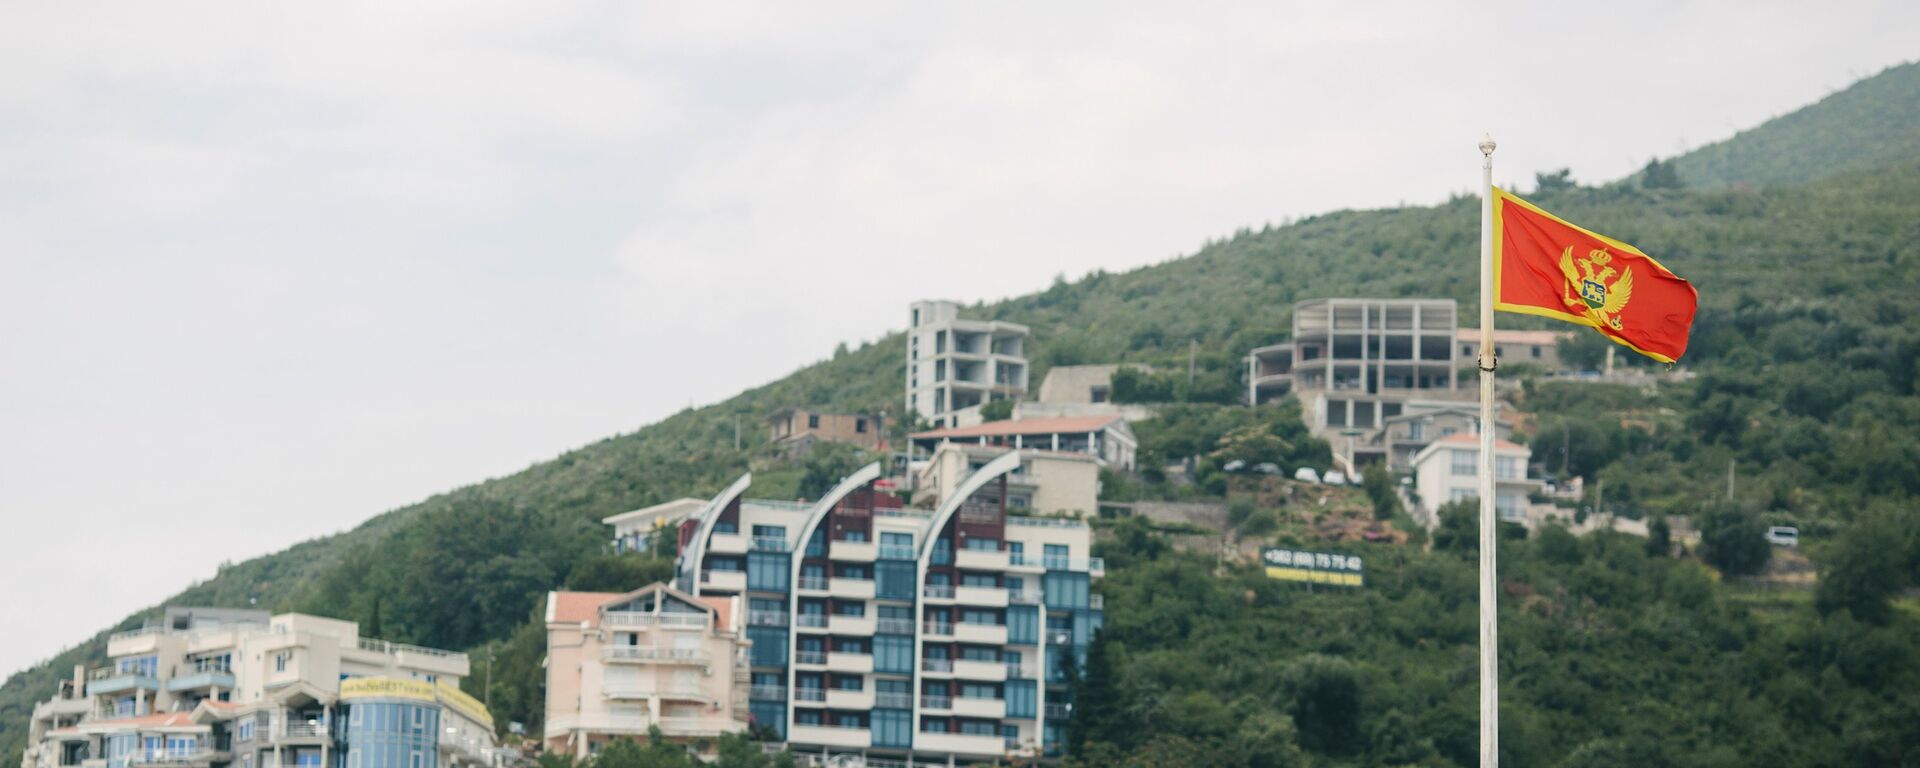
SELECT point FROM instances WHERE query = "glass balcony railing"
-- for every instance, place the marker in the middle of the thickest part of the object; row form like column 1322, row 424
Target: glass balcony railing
column 769, row 544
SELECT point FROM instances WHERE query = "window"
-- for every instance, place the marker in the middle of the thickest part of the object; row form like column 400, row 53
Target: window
column 280, row 661
column 860, row 425
column 413, row 760
column 1415, row 430
column 1016, row 583
column 353, row 759
column 979, row 616
column 813, row 421
column 806, row 717
column 1536, row 350
column 856, row 536
column 1506, row 466
column 979, row 544
column 847, row 683
column 933, row 726
column 1465, row 463
column 419, row 718
column 1460, row 493
column 1057, row 557
column 980, row 653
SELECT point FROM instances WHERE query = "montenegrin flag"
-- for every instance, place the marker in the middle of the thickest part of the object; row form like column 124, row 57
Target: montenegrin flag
column 1545, row 266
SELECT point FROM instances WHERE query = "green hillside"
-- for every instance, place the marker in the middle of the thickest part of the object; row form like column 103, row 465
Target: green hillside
column 1807, row 343
column 1873, row 124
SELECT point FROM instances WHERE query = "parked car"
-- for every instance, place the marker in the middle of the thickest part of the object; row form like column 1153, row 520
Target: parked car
column 1268, row 468
column 1783, row 536
column 1334, row 477
column 1306, row 475
column 1234, row 466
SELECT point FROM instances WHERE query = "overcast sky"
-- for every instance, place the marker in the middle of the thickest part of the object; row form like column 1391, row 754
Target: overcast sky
column 268, row 269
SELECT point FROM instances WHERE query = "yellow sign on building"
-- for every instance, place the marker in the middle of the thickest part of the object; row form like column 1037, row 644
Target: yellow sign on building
column 386, row 688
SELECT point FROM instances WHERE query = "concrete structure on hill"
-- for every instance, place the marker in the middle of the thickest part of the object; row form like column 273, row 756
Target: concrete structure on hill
column 620, row 664
column 1106, row 437
column 1449, row 470
column 796, row 430
column 1045, row 483
column 895, row 633
column 954, row 366
column 636, row 531
column 1423, row 421
column 1540, row 349
column 213, row 688
column 1356, row 363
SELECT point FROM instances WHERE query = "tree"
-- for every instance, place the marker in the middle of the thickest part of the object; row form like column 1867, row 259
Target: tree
column 1868, row 564
column 1558, row 181
column 1326, row 704
column 997, row 410
column 1658, row 175
column 1659, row 537
column 1378, row 483
column 1733, row 540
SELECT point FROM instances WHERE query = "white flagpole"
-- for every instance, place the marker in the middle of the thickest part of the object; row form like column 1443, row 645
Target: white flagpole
column 1489, row 617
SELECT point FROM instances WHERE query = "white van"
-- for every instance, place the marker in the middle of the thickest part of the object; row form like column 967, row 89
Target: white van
column 1783, row 536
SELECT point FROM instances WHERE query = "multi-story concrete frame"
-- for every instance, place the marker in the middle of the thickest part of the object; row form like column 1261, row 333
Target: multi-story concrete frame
column 241, row 689
column 897, row 633
column 1355, row 363
column 955, row 365
column 619, row 664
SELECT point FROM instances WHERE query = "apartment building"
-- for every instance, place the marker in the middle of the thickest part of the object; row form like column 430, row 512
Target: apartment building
column 619, row 664
column 1105, row 437
column 895, row 633
column 954, row 366
column 1356, row 363
column 1449, row 470
column 1045, row 483
column 210, row 688
column 635, row 531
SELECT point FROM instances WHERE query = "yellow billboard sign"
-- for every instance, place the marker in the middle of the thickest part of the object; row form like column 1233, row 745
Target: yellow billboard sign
column 417, row 690
column 1313, row 567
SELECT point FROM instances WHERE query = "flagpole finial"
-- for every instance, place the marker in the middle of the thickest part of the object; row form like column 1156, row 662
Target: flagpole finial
column 1486, row 144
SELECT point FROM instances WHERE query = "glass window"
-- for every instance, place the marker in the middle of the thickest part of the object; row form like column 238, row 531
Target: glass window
column 980, row 544
column 1465, row 463
column 978, row 580
column 857, row 536
column 1057, row 557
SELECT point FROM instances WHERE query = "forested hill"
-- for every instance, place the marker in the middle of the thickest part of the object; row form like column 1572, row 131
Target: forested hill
column 1808, row 341
column 1875, row 123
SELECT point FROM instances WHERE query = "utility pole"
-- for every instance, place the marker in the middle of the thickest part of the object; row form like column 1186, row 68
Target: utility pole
column 489, row 690
column 1193, row 347
column 1730, row 463
column 736, row 432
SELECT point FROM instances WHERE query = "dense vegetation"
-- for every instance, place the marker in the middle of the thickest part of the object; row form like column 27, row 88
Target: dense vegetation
column 1873, row 124
column 1808, row 350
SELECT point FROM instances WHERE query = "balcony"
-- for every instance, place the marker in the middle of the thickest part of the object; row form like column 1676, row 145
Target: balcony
column 992, row 597
column 645, row 691
column 302, row 729
column 896, row 552
column 858, row 737
column 770, row 544
column 987, row 708
column 1097, row 602
column 727, row 544
column 861, row 700
column 1093, row 566
column 892, row 700
column 207, row 677
column 135, row 641
column 981, row 559
column 810, row 695
column 814, row 622
column 767, row 618
column 984, row 634
column 1059, row 711
column 893, row 626
column 935, row 702
column 1059, row 637
column 968, row 669
column 859, row 626
column 728, row 581
column 854, row 551
column 102, row 680
column 1025, row 597
column 937, row 593
column 850, row 663
column 1018, row 672
column 936, row 629
column 937, row 667
column 981, row 745
column 691, row 727
column 637, row 619
column 811, row 584
column 767, row 693
column 851, row 589
column 643, row 654
column 807, row 658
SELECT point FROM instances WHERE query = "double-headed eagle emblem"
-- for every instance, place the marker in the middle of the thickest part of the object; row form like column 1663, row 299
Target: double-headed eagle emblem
column 1588, row 290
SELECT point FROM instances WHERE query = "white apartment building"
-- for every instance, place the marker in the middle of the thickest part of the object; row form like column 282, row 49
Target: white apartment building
column 213, row 688
column 1448, row 469
column 1045, row 483
column 954, row 366
column 903, row 634
column 635, row 531
column 1105, row 437
column 619, row 664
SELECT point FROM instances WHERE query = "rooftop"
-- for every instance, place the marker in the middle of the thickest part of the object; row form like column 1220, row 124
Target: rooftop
column 1037, row 426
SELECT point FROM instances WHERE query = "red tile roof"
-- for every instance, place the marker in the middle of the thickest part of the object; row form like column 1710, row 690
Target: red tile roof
column 575, row 607
column 722, row 606
column 1036, row 426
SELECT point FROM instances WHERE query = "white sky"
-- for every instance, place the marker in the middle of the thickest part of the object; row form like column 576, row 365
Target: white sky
column 268, row 269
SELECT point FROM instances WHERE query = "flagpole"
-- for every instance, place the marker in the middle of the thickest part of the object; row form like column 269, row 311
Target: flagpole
column 1489, row 621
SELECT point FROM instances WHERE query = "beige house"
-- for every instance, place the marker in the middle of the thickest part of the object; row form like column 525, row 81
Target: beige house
column 1448, row 469
column 1046, row 482
column 796, row 429
column 210, row 688
column 620, row 664
column 1540, row 349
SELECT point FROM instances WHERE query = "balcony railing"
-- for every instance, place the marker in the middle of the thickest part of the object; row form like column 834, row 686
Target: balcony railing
column 893, row 626
column 937, row 591
column 896, row 552
column 1017, row 672
column 810, row 620
column 937, row 628
column 767, row 618
column 382, row 646
column 1025, row 597
column 936, row 665
column 652, row 653
column 933, row 701
column 893, row 700
column 768, row 693
column 809, row 694
column 769, row 544
column 1059, row 711
column 1097, row 602
column 303, row 730
column 816, row 658
column 133, row 633
column 814, row 583
column 1059, row 638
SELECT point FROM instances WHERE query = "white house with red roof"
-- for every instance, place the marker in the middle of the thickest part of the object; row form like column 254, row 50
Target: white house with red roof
column 1105, row 437
column 1448, row 469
